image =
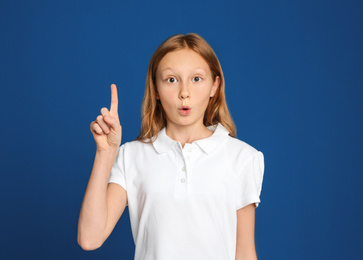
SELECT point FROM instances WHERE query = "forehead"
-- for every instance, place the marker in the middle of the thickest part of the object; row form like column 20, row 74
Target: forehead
column 185, row 59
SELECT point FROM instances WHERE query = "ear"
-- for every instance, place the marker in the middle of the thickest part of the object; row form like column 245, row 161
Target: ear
column 215, row 87
column 157, row 95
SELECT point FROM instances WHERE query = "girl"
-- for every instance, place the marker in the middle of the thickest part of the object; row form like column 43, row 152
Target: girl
column 190, row 185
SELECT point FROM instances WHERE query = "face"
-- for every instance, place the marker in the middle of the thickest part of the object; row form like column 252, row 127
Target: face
column 184, row 86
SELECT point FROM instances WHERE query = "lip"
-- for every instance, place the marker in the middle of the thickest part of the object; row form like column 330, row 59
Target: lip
column 185, row 110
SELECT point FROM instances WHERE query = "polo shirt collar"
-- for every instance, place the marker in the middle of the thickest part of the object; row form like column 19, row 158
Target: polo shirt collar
column 211, row 143
column 164, row 143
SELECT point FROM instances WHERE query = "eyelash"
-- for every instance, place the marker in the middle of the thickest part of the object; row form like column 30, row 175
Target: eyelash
column 168, row 79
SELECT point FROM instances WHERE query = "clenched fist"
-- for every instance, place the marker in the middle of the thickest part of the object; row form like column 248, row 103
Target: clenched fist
column 106, row 129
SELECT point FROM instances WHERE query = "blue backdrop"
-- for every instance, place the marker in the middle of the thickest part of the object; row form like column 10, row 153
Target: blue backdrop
column 294, row 79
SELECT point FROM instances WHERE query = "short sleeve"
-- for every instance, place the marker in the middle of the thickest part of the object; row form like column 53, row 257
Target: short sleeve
column 249, row 181
column 118, row 169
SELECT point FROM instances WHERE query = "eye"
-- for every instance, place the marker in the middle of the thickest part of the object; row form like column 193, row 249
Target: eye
column 197, row 79
column 171, row 80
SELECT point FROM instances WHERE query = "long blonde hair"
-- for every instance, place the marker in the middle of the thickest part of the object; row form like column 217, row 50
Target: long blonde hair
column 153, row 117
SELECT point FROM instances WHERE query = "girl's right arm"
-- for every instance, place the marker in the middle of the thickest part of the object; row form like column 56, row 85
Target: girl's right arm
column 103, row 202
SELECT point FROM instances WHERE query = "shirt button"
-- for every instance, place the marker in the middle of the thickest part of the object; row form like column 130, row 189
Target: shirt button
column 182, row 180
column 187, row 158
column 190, row 149
column 183, row 169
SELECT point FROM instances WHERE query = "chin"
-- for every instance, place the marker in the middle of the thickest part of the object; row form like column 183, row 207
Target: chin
column 184, row 123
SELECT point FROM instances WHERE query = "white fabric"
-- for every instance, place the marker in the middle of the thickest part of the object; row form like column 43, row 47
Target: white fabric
column 183, row 201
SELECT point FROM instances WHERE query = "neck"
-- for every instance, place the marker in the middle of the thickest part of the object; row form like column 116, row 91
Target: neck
column 187, row 134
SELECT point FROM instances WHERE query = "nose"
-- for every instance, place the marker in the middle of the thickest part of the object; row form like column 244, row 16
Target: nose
column 184, row 96
column 184, row 92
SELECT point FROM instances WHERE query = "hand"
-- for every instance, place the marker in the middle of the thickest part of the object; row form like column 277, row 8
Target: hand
column 106, row 129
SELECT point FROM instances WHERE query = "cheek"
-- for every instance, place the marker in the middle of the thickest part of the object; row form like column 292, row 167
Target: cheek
column 166, row 100
column 165, row 96
column 203, row 95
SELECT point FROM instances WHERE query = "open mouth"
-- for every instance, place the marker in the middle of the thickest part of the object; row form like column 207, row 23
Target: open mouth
column 184, row 110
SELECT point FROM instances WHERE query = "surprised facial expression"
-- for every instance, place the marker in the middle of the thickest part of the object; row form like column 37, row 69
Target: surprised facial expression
column 184, row 86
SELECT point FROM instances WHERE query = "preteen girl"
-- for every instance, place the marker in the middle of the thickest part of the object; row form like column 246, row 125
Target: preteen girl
column 190, row 185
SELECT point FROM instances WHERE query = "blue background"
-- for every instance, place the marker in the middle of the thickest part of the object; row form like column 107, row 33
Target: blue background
column 294, row 81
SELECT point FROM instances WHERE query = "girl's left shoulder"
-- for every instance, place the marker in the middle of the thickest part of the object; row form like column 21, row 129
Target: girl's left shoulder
column 237, row 146
column 232, row 145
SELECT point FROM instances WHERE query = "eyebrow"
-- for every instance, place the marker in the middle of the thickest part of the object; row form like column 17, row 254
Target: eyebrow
column 168, row 68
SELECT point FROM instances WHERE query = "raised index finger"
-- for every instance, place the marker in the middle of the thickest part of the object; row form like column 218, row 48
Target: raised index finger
column 114, row 100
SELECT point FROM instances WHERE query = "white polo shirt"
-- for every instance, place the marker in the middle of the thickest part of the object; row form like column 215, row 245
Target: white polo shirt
column 183, row 201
